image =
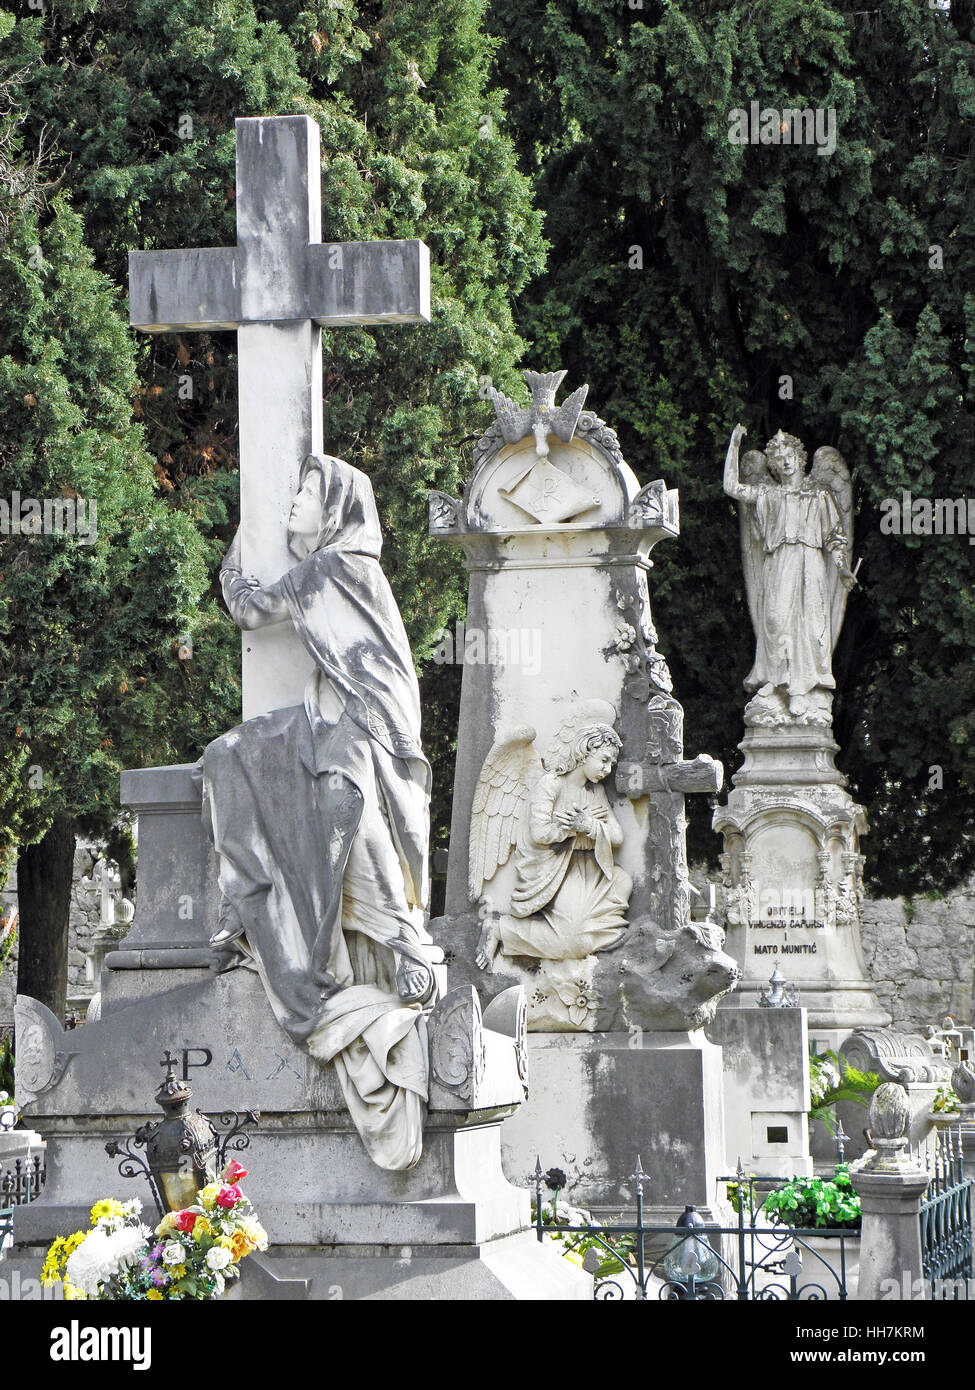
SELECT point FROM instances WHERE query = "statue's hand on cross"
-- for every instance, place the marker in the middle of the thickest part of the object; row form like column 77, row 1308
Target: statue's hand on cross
column 250, row 603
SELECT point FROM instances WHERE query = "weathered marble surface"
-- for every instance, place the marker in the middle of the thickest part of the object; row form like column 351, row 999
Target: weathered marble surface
column 277, row 287
column 765, row 1056
column 567, row 866
column 320, row 817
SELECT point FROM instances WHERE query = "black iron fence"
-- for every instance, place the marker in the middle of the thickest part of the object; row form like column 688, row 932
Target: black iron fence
column 20, row 1182
column 946, row 1223
column 698, row 1260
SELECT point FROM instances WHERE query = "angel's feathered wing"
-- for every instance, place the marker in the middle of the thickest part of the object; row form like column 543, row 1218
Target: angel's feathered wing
column 566, row 418
column 500, row 797
column 512, row 417
column 754, row 471
column 830, row 473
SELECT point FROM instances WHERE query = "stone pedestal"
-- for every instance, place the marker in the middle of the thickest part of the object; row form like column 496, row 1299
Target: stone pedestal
column 793, row 872
column 453, row 1226
column 890, row 1243
column 600, row 1100
column 890, row 1186
column 766, row 1089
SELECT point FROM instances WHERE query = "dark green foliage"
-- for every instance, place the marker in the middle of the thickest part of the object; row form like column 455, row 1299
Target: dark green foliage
column 765, row 261
column 91, row 681
column 143, row 95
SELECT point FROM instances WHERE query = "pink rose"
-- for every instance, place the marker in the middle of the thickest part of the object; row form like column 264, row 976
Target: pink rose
column 234, row 1172
column 229, row 1196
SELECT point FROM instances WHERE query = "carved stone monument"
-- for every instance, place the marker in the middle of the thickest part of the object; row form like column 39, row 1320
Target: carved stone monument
column 792, row 865
column 280, row 948
column 567, row 867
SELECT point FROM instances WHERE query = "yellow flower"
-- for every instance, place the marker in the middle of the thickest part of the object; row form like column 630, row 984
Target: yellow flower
column 108, row 1206
column 167, row 1224
column 255, row 1233
column 73, row 1241
column 201, row 1228
column 240, row 1245
column 153, row 1295
column 208, row 1194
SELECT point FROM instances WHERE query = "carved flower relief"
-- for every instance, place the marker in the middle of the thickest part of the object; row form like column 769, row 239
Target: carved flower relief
column 579, row 1001
column 625, row 637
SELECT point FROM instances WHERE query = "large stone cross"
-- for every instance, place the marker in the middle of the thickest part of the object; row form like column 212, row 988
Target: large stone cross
column 277, row 287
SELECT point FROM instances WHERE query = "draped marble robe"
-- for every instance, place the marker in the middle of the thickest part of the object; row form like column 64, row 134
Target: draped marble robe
column 794, row 639
column 320, row 817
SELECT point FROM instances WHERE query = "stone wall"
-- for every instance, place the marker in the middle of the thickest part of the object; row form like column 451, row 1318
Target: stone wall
column 85, row 909
column 919, row 953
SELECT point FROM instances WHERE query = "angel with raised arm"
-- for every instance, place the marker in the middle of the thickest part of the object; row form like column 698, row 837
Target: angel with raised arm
column 570, row 896
column 796, row 534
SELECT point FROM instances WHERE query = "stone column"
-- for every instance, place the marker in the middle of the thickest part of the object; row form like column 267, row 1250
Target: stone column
column 890, row 1187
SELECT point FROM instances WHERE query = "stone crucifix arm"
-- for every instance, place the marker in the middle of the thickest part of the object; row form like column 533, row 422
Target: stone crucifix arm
column 249, row 603
column 733, row 485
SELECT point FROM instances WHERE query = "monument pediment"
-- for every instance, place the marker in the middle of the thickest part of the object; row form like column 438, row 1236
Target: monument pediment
column 543, row 482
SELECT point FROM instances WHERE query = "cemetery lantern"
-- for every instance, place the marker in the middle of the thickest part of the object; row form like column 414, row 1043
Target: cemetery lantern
column 181, row 1148
column 691, row 1260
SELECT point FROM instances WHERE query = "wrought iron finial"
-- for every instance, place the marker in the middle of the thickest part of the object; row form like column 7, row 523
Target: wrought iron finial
column 841, row 1138
column 779, row 994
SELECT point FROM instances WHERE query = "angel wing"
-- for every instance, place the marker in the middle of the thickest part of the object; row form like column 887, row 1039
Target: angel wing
column 512, row 417
column 830, row 473
column 754, row 471
column 566, row 418
column 500, row 796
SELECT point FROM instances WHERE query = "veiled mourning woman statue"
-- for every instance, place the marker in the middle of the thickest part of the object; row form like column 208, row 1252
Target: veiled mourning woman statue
column 320, row 817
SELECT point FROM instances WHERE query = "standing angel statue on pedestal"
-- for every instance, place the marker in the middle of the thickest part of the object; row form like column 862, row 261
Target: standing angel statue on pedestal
column 796, row 535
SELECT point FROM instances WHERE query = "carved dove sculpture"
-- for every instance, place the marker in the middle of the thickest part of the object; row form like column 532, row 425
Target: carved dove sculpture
column 542, row 417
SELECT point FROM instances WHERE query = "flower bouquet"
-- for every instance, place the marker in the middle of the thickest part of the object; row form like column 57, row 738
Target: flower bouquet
column 191, row 1254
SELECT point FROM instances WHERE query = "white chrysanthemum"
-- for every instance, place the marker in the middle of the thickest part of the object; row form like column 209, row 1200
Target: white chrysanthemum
column 102, row 1255
column 133, row 1207
column 218, row 1257
column 173, row 1253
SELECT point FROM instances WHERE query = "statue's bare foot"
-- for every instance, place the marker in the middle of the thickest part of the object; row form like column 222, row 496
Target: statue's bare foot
column 488, row 943
column 767, row 689
column 798, row 706
column 414, row 981
column 229, row 926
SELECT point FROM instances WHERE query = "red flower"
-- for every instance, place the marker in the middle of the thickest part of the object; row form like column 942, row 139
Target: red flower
column 234, row 1172
column 185, row 1221
column 229, row 1196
